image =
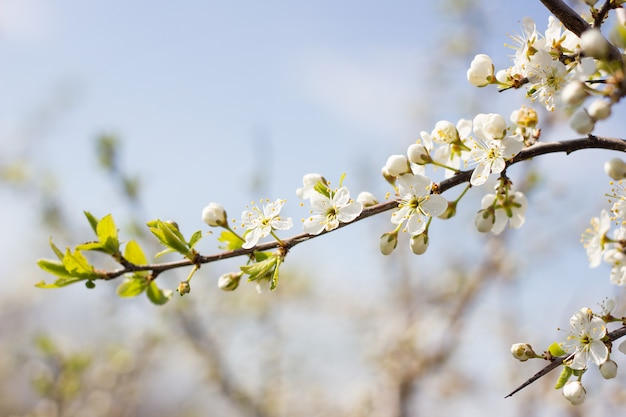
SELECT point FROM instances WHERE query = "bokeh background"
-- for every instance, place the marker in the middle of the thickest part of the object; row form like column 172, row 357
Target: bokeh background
column 200, row 101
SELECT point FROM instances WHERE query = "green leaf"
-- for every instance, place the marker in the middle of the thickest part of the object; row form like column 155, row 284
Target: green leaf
column 54, row 268
column 195, row 238
column 231, row 241
column 107, row 234
column 157, row 295
column 93, row 245
column 92, row 221
column 556, row 350
column 133, row 286
column 78, row 266
column 274, row 280
column 260, row 269
column 134, row 254
column 169, row 236
column 61, row 282
column 562, row 380
column 56, row 250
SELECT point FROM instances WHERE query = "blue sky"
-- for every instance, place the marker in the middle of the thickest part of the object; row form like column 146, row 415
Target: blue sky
column 208, row 95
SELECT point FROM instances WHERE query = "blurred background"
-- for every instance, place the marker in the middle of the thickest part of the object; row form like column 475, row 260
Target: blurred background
column 154, row 109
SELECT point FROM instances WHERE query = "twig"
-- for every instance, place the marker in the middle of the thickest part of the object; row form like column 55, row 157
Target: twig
column 556, row 362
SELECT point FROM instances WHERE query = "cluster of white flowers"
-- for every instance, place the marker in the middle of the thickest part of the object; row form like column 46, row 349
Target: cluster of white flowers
column 599, row 240
column 558, row 69
column 484, row 144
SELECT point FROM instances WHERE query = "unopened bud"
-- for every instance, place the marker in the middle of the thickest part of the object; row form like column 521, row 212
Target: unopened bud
column 608, row 369
column 615, row 168
column 522, row 352
column 388, row 242
column 450, row 211
column 419, row 243
column 484, row 220
column 594, row 44
column 397, row 165
column 599, row 109
column 574, row 392
column 418, row 154
column 574, row 93
column 184, row 288
column 581, row 122
column 367, row 199
column 214, row 215
column 229, row 281
column 480, row 72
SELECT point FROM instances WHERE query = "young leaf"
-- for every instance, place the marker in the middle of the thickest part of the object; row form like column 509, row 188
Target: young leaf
column 56, row 250
column 195, row 238
column 54, row 268
column 274, row 280
column 107, row 234
column 92, row 221
column 93, row 245
column 260, row 269
column 157, row 295
column 61, row 282
column 166, row 235
column 134, row 254
column 133, row 286
column 78, row 266
column 563, row 377
column 231, row 241
column 556, row 350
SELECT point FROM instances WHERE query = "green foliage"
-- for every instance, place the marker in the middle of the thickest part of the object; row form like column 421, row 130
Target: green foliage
column 265, row 267
column 556, row 350
column 132, row 286
column 563, row 377
column 157, row 295
column 230, row 240
column 170, row 237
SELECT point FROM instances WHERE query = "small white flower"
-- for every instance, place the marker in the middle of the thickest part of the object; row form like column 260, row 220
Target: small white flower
column 397, row 165
column 491, row 154
column 330, row 211
column 617, row 259
column 584, row 340
column 594, row 238
column 417, row 203
column 259, row 224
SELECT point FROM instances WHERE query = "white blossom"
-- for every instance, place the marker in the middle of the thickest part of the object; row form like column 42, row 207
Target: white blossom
column 259, row 224
column 417, row 203
column 584, row 340
column 330, row 211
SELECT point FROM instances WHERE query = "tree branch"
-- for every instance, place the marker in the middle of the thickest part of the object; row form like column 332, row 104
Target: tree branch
column 575, row 23
column 558, row 361
column 567, row 146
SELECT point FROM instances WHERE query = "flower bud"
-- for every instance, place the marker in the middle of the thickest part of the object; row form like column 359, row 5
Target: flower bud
column 525, row 117
column 599, row 109
column 229, row 281
column 615, row 168
column 593, row 44
column 485, row 220
column 184, row 288
column 418, row 154
column 581, row 122
column 388, row 242
column 367, row 199
column 574, row 93
column 608, row 369
column 480, row 72
column 522, row 352
column 574, row 392
column 397, row 165
column 450, row 211
column 309, row 181
column 214, row 215
column 419, row 243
